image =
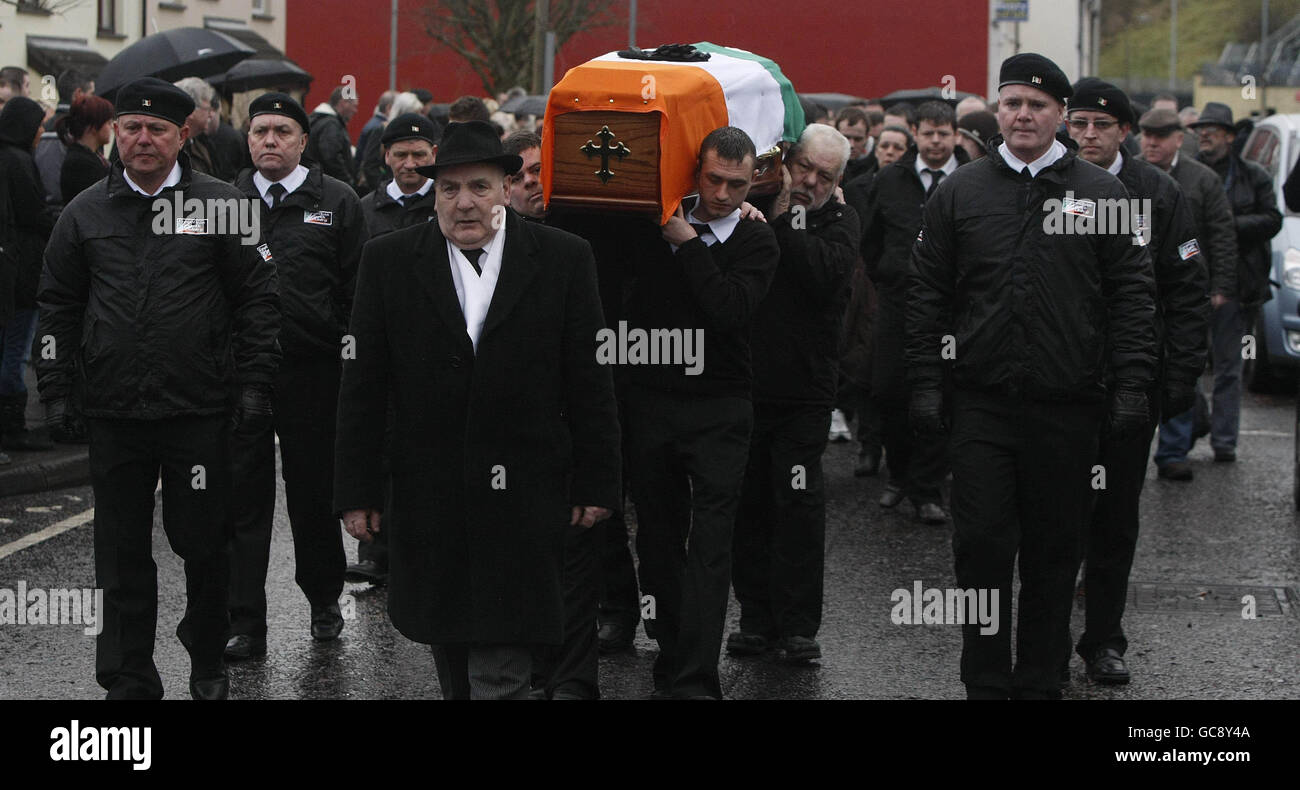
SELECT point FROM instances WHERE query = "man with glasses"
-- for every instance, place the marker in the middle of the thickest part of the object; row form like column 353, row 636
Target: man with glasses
column 1099, row 120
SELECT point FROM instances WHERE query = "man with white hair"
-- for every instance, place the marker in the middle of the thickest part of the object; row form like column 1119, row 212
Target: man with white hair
column 778, row 544
column 201, row 156
column 969, row 105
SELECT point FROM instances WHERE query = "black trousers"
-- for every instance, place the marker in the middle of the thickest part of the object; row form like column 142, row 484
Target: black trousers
column 1022, row 473
column 779, row 544
column 688, row 465
column 305, row 405
column 1111, row 540
column 126, row 458
column 477, row 671
column 569, row 670
column 620, row 598
column 916, row 465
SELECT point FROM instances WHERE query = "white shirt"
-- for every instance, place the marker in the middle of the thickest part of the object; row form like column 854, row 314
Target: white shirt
column 719, row 230
column 474, row 290
column 1046, row 160
column 289, row 182
column 1117, row 164
column 395, row 192
column 173, row 178
column 921, row 167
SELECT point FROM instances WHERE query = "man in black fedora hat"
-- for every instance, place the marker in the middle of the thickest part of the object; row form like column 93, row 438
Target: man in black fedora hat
column 460, row 322
column 1249, row 189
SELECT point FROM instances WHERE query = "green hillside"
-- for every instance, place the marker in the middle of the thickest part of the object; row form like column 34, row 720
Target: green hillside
column 1135, row 33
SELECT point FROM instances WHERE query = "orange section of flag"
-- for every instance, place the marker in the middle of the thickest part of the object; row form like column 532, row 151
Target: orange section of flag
column 689, row 101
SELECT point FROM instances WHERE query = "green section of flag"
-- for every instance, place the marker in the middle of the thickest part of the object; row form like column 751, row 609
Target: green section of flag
column 794, row 122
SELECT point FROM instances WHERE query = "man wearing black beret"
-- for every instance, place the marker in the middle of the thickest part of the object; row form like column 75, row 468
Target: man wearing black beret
column 409, row 141
column 1099, row 119
column 314, row 224
column 155, row 323
column 1031, row 323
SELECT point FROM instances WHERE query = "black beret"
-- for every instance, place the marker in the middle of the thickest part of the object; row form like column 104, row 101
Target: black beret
column 1091, row 93
column 152, row 96
column 1036, row 71
column 411, row 126
column 278, row 104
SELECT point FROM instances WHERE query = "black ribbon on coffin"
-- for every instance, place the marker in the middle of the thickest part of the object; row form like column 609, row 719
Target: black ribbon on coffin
column 679, row 53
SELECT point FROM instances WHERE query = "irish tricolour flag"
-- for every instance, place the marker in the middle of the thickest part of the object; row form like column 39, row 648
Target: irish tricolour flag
column 733, row 87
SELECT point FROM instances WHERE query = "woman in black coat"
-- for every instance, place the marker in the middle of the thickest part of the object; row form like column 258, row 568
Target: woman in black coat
column 25, row 227
column 85, row 130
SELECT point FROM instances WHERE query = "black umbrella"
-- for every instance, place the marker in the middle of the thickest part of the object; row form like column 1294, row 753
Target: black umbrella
column 172, row 55
column 832, row 101
column 525, row 105
column 257, row 73
column 918, row 95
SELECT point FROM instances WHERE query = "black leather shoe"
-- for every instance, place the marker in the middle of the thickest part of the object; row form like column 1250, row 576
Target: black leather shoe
column 241, row 647
column 1107, row 666
column 614, row 637
column 366, row 571
column 745, row 643
column 931, row 513
column 798, row 649
column 326, row 622
column 1225, row 456
column 1176, row 470
column 210, row 687
column 892, row 496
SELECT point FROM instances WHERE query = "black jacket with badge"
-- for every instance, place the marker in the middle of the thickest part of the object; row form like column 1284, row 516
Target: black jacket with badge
column 796, row 334
column 1212, row 216
column 154, row 324
column 316, row 235
column 385, row 215
column 1034, row 314
column 1182, row 283
column 1257, row 220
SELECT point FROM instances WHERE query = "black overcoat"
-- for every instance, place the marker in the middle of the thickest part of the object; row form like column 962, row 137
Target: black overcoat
column 489, row 451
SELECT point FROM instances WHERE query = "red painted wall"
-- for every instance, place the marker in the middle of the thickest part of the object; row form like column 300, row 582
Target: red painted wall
column 866, row 48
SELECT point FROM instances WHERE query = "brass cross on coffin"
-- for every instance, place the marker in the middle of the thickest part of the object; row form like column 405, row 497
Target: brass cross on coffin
column 604, row 150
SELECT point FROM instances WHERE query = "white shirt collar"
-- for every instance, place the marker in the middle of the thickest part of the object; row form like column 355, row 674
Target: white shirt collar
column 720, row 229
column 1174, row 163
column 173, row 178
column 948, row 167
column 474, row 289
column 1055, row 152
column 1117, row 165
column 289, row 182
column 395, row 192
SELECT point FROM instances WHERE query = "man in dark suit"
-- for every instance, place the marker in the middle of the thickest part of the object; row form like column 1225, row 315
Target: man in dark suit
column 463, row 321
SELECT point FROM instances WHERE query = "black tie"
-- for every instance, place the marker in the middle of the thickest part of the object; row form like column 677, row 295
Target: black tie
column 472, row 256
column 403, row 198
column 277, row 193
column 935, row 175
column 700, row 229
column 1026, row 175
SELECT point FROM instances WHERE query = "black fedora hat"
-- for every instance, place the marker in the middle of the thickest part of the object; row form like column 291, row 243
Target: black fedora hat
column 468, row 143
column 1215, row 114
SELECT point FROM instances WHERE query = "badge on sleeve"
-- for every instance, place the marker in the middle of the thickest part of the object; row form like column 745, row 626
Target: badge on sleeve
column 318, row 217
column 265, row 249
column 1188, row 248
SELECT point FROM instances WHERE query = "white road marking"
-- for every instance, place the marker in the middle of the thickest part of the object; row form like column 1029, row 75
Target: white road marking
column 43, row 508
column 1275, row 434
column 72, row 522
